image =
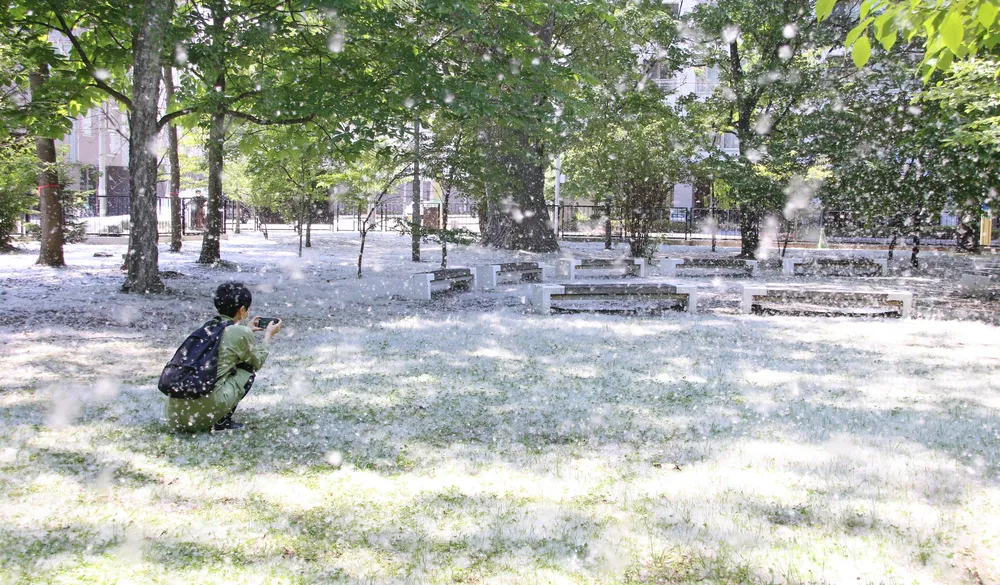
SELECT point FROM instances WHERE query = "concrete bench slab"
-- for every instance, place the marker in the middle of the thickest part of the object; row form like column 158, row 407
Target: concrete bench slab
column 544, row 294
column 819, row 266
column 979, row 280
column 570, row 267
column 826, row 301
column 423, row 285
column 673, row 266
column 487, row 276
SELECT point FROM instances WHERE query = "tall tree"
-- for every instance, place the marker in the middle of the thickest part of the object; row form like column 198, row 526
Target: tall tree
column 768, row 58
column 51, row 253
column 111, row 48
column 144, row 127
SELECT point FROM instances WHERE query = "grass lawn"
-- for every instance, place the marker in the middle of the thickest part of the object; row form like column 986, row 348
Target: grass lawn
column 470, row 441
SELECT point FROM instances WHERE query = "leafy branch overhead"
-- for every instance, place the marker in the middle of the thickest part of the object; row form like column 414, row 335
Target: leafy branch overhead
column 950, row 30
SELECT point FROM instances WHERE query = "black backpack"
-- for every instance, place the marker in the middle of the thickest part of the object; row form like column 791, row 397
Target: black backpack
column 192, row 371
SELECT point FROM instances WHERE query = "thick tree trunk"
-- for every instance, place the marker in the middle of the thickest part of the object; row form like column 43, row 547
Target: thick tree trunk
column 143, row 255
column 749, row 231
column 50, row 206
column 176, row 228
column 517, row 217
column 213, row 217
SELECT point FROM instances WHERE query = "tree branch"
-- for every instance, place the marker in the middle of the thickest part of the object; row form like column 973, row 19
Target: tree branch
column 98, row 82
column 263, row 122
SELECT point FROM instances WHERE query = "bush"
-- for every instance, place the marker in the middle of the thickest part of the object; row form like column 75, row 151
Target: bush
column 17, row 181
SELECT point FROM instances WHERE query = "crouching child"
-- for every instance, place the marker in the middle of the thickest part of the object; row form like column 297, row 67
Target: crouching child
column 214, row 368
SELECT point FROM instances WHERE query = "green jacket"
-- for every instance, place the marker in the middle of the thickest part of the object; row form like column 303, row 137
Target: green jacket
column 239, row 357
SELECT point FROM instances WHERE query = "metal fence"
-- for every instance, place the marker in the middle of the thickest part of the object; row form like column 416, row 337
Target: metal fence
column 109, row 215
column 341, row 217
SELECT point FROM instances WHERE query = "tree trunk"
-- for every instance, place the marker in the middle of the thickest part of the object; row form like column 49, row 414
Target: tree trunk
column 749, row 231
column 239, row 217
column 445, row 197
column 213, row 218
column 914, row 261
column 176, row 229
column 415, row 221
column 607, row 226
column 361, row 252
column 309, row 225
column 517, row 217
column 143, row 255
column 50, row 206
column 300, row 233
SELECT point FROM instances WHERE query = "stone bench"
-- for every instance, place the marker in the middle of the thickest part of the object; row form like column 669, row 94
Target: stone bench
column 980, row 280
column 824, row 301
column 487, row 276
column 835, row 266
column 685, row 297
column 423, row 284
column 569, row 267
column 672, row 266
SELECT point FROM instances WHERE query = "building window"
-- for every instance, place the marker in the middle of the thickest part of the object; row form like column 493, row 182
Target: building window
column 730, row 141
column 664, row 79
column 705, row 81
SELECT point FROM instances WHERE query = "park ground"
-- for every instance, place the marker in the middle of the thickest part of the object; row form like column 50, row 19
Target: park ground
column 468, row 440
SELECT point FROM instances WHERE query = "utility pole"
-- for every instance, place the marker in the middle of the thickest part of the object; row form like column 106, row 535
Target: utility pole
column 555, row 212
column 102, row 181
column 415, row 221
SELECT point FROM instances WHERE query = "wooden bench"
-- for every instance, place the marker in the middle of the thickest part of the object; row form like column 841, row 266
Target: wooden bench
column 569, row 267
column 835, row 266
column 685, row 297
column 423, row 284
column 671, row 266
column 487, row 276
column 979, row 280
column 825, row 301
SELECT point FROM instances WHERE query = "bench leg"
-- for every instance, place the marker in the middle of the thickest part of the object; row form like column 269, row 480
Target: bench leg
column 692, row 304
column 541, row 297
column 566, row 268
column 419, row 287
column 486, row 277
column 788, row 266
column 907, row 300
column 640, row 267
column 883, row 265
column 746, row 306
column 752, row 267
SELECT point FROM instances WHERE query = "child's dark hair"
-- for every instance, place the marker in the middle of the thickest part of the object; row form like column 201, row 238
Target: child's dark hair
column 229, row 297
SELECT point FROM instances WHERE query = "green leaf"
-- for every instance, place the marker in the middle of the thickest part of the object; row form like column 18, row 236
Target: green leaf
column 987, row 14
column 857, row 32
column 945, row 60
column 861, row 52
column 953, row 31
column 824, row 8
column 888, row 39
